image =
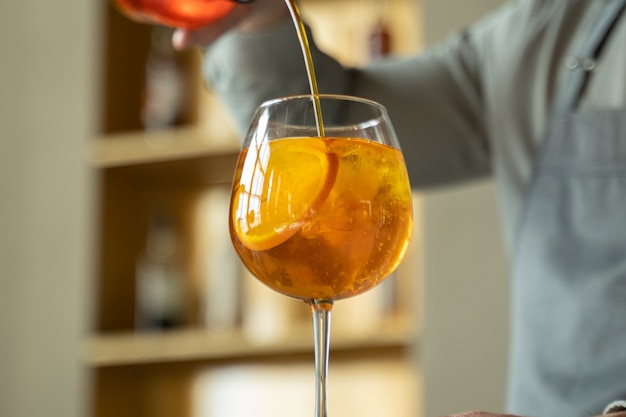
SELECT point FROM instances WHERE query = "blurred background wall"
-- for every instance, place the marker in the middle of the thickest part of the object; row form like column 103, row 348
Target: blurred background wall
column 47, row 109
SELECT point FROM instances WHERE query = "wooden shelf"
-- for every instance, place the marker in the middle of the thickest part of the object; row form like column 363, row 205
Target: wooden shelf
column 141, row 147
column 183, row 156
column 196, row 344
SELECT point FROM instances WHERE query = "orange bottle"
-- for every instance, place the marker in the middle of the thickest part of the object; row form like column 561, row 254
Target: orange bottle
column 187, row 14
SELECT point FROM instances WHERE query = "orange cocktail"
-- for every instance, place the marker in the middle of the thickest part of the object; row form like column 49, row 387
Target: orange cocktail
column 321, row 205
column 321, row 218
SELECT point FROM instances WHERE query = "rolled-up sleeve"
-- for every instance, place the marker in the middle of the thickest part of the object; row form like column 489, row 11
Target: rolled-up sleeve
column 434, row 100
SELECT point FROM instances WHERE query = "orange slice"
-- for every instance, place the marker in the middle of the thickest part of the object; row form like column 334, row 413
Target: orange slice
column 282, row 184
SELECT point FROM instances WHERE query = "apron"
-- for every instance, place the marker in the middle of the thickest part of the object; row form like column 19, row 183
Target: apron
column 568, row 282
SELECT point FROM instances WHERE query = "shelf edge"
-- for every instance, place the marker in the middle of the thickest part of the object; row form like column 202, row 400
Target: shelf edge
column 144, row 147
column 127, row 349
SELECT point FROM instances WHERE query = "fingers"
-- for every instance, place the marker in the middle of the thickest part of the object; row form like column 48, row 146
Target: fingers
column 180, row 39
column 255, row 17
column 185, row 39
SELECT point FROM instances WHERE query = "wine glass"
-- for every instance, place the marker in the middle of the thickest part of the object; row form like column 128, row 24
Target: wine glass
column 321, row 205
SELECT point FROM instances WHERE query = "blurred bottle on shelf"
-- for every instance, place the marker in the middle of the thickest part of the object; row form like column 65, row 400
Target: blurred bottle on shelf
column 165, row 90
column 379, row 40
column 189, row 14
column 160, row 291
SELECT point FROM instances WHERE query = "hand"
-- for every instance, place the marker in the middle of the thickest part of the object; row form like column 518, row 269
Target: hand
column 255, row 17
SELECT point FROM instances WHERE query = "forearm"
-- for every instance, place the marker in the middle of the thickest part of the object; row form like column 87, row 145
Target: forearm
column 433, row 101
column 247, row 69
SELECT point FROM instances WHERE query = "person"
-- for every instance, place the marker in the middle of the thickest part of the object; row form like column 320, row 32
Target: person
column 534, row 95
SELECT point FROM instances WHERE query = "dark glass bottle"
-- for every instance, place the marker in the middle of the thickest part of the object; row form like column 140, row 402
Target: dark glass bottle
column 188, row 14
column 379, row 40
column 160, row 288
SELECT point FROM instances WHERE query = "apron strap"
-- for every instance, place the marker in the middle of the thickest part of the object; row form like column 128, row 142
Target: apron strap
column 580, row 66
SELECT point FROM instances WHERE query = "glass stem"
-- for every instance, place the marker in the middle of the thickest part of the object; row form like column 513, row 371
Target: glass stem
column 321, row 333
